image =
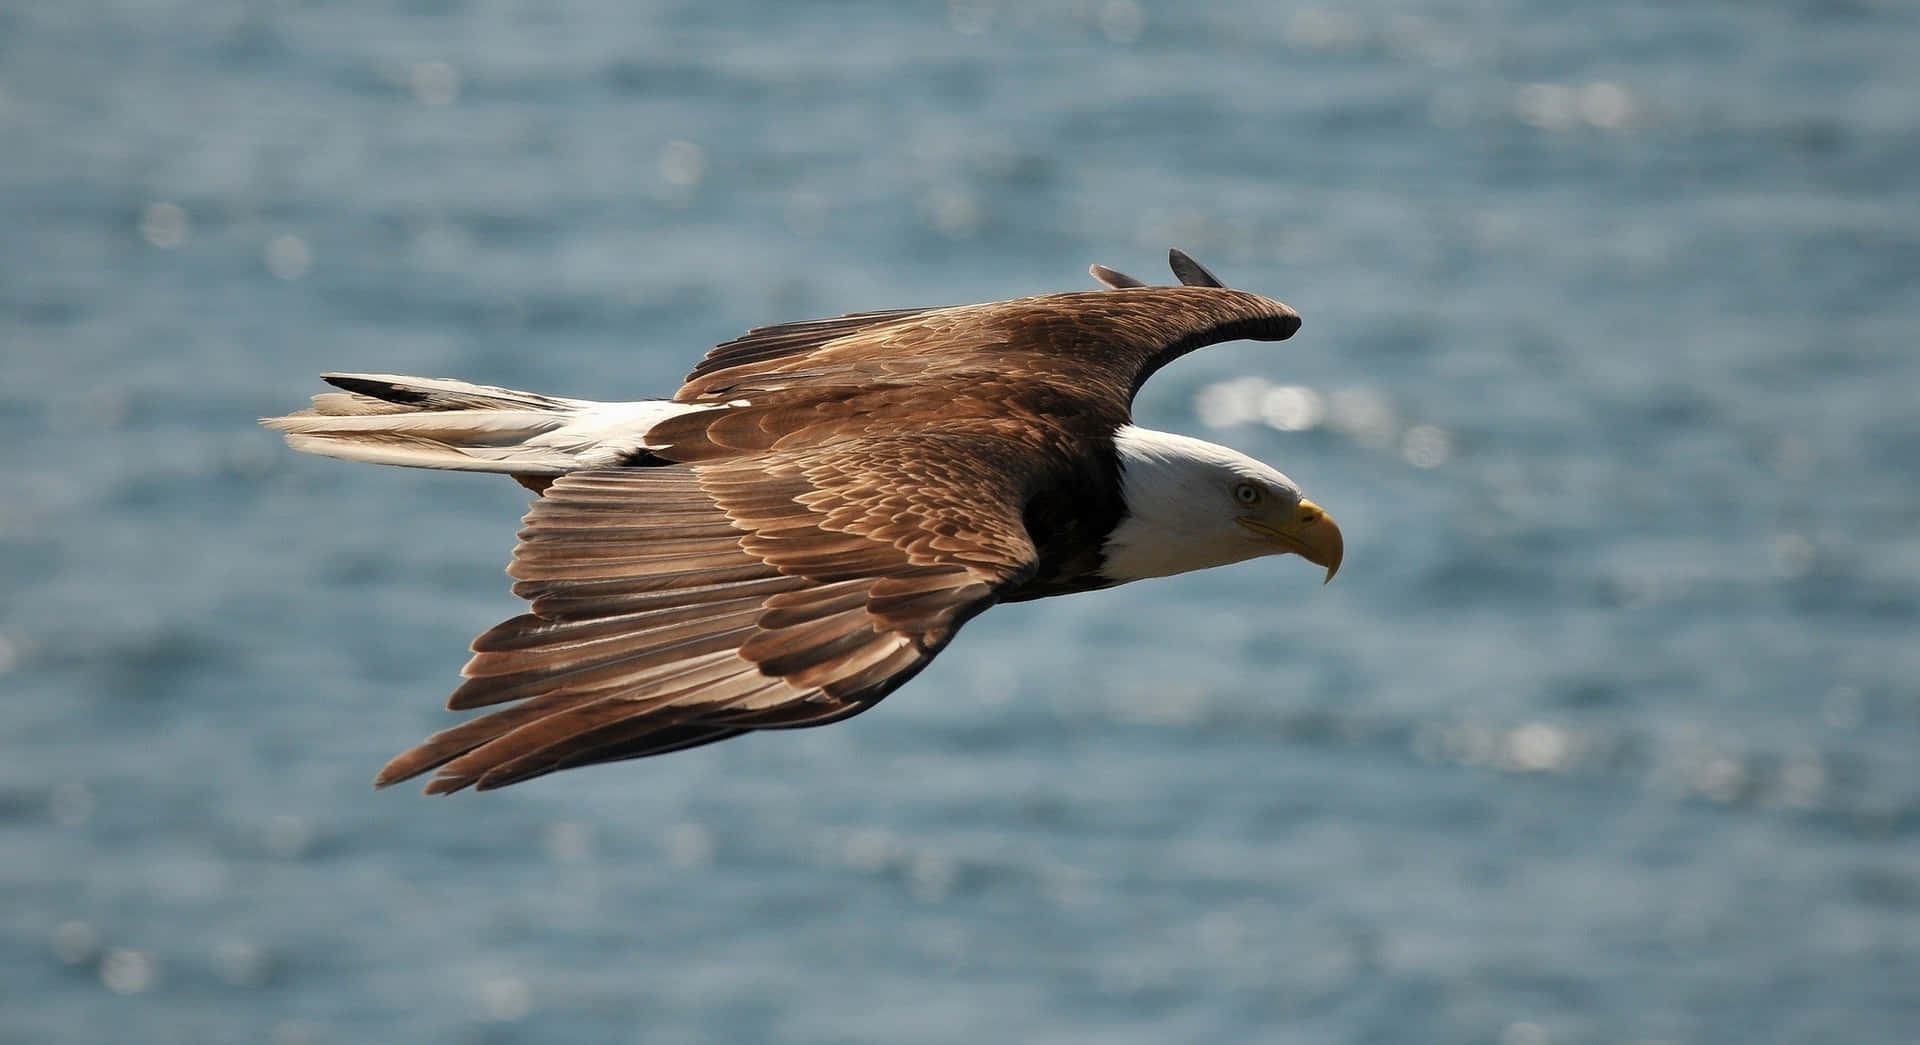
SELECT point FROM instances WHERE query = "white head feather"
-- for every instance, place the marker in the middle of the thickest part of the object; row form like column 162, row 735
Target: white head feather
column 1183, row 498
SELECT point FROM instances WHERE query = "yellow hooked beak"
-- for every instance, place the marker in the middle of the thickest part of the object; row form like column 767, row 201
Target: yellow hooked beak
column 1307, row 531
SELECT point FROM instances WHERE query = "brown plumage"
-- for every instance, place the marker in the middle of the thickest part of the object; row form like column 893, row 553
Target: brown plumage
column 800, row 529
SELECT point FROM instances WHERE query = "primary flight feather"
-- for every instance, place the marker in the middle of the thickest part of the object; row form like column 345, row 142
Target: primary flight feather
column 817, row 511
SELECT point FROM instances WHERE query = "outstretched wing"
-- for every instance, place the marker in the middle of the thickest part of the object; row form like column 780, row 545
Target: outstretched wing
column 675, row 606
column 1107, row 342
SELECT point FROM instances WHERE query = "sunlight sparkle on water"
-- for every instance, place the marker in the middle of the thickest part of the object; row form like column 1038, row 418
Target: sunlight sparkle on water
column 287, row 836
column 1523, row 1033
column 508, row 998
column 1122, row 20
column 1426, row 446
column 569, row 842
column 126, row 971
column 165, row 225
column 689, row 845
column 435, row 83
column 1559, row 107
column 683, row 164
column 75, row 943
column 288, row 257
column 241, row 963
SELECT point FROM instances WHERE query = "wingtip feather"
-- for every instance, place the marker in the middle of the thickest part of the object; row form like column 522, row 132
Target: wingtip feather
column 1113, row 278
column 447, row 785
column 1191, row 272
column 394, row 772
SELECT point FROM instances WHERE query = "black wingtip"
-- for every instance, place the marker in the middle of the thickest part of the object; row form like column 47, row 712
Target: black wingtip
column 1191, row 272
column 386, row 391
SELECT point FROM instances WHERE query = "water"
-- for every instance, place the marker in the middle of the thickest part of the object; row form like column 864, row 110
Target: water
column 1605, row 732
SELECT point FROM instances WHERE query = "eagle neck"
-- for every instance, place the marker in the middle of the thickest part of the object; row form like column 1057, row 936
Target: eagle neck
column 1173, row 518
column 1069, row 516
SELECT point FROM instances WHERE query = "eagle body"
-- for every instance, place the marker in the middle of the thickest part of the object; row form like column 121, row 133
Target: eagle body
column 817, row 510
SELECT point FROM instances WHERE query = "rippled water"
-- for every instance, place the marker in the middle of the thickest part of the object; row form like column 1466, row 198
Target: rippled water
column 1605, row 733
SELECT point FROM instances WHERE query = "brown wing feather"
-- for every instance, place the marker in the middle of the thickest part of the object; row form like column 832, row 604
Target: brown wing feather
column 785, row 339
column 834, row 349
column 676, row 606
column 1098, row 345
column 639, row 738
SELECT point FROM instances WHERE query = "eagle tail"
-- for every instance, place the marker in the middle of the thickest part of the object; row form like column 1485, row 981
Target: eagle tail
column 422, row 422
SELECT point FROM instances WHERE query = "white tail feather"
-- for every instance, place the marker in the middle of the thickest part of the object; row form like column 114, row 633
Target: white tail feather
column 442, row 423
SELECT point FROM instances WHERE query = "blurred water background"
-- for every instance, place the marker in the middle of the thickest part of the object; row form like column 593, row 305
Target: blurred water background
column 1606, row 732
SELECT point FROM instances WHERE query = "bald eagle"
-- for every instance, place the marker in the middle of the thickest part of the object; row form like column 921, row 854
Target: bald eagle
column 817, row 511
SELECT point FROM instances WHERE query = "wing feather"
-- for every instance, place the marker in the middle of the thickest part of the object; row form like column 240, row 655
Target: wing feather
column 1096, row 346
column 773, row 342
column 674, row 606
column 622, row 740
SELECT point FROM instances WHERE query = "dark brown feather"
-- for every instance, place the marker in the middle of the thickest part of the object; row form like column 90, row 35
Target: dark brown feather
column 1191, row 272
column 772, row 342
column 1077, row 356
column 762, row 593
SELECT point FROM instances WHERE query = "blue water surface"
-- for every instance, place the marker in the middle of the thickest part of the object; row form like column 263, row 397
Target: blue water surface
column 1606, row 733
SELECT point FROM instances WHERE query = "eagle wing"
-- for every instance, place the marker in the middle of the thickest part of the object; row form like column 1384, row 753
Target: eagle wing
column 675, row 606
column 1105, row 342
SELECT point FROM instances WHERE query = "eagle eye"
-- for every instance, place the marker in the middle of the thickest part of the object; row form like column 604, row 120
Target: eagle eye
column 1247, row 493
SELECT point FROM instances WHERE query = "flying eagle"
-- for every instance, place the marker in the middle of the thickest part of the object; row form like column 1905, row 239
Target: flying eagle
column 817, row 511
